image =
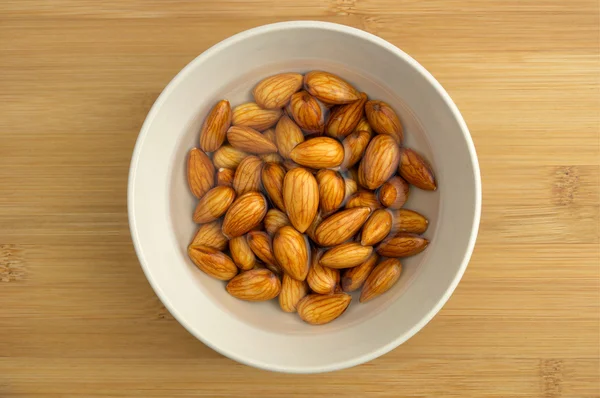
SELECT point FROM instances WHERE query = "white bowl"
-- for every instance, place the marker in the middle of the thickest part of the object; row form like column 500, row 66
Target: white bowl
column 160, row 205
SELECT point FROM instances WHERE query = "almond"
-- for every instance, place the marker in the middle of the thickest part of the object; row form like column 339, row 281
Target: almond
column 330, row 88
column 379, row 162
column 343, row 119
column 414, row 169
column 241, row 253
column 247, row 177
column 355, row 277
column 287, row 135
column 346, row 255
column 262, row 246
column 363, row 125
column 354, row 147
column 394, row 193
column 292, row 291
column 331, row 190
column 384, row 120
column 341, row 226
column 291, row 251
column 213, row 262
column 300, row 197
column 275, row 91
column 252, row 115
column 274, row 220
column 307, row 112
column 271, row 158
column 249, row 140
column 318, row 153
column 270, row 135
column 322, row 279
column 228, row 157
column 210, row 235
column 318, row 309
column 363, row 199
column 350, row 188
column 255, row 285
column 377, row 227
column 272, row 181
column 382, row 278
column 245, row 213
column 291, row 165
column 225, row 177
column 212, row 133
column 405, row 220
column 313, row 226
column 214, row 204
column 200, row 173
column 402, row 244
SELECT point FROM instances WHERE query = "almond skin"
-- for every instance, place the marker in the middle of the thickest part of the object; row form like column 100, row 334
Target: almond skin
column 200, row 173
column 341, row 226
column 331, row 190
column 350, row 188
column 330, row 88
column 225, row 177
column 212, row 133
column 355, row 277
column 292, row 291
column 307, row 112
column 245, row 213
column 249, row 140
column 394, row 193
column 275, row 91
column 379, row 162
column 274, row 220
column 300, row 197
column 287, row 136
column 313, row 226
column 346, row 255
column 252, row 115
column 382, row 278
column 291, row 251
column 402, row 244
column 214, row 204
column 261, row 245
column 271, row 158
column 377, row 227
column 363, row 125
column 319, row 309
column 210, row 235
column 255, row 285
column 241, row 253
column 414, row 169
column 322, row 280
column 384, row 120
column 363, row 199
column 247, row 176
column 319, row 153
column 343, row 119
column 405, row 220
column 272, row 181
column 228, row 157
column 355, row 146
column 213, row 262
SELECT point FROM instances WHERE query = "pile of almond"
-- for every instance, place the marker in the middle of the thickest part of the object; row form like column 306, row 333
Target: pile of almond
column 300, row 186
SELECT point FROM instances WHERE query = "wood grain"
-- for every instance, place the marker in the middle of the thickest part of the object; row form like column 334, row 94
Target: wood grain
column 77, row 317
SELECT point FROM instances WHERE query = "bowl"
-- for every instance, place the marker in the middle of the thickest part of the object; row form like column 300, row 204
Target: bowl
column 160, row 205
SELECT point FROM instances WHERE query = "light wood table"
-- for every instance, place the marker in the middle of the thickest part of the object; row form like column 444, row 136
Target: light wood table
column 77, row 316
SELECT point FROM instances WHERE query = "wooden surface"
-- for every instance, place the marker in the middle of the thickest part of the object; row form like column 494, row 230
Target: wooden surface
column 77, row 317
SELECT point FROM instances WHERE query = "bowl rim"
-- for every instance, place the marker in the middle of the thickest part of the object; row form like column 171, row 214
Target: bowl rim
column 375, row 40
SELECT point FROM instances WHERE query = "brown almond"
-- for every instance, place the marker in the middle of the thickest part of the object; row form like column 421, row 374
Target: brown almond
column 212, row 133
column 346, row 255
column 355, row 146
column 200, row 173
column 270, row 135
column 313, row 226
column 225, row 177
column 394, row 193
column 350, row 188
column 343, row 119
column 287, row 135
column 330, row 88
column 241, row 253
column 322, row 280
column 300, row 198
column 307, row 112
column 271, row 158
column 291, row 165
column 341, row 226
column 245, row 213
column 377, row 227
column 252, row 115
column 318, row 309
column 414, row 169
column 292, row 291
column 354, row 278
column 213, row 262
column 331, row 190
column 402, row 244
column 363, row 125
column 363, row 199
column 210, row 235
column 272, row 181
column 255, row 285
column 274, row 220
column 318, row 153
column 384, row 120
column 247, row 176
column 379, row 162
column 228, row 157
column 249, row 140
column 291, row 251
column 261, row 245
column 404, row 220
column 382, row 278
column 214, row 204
column 275, row 91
